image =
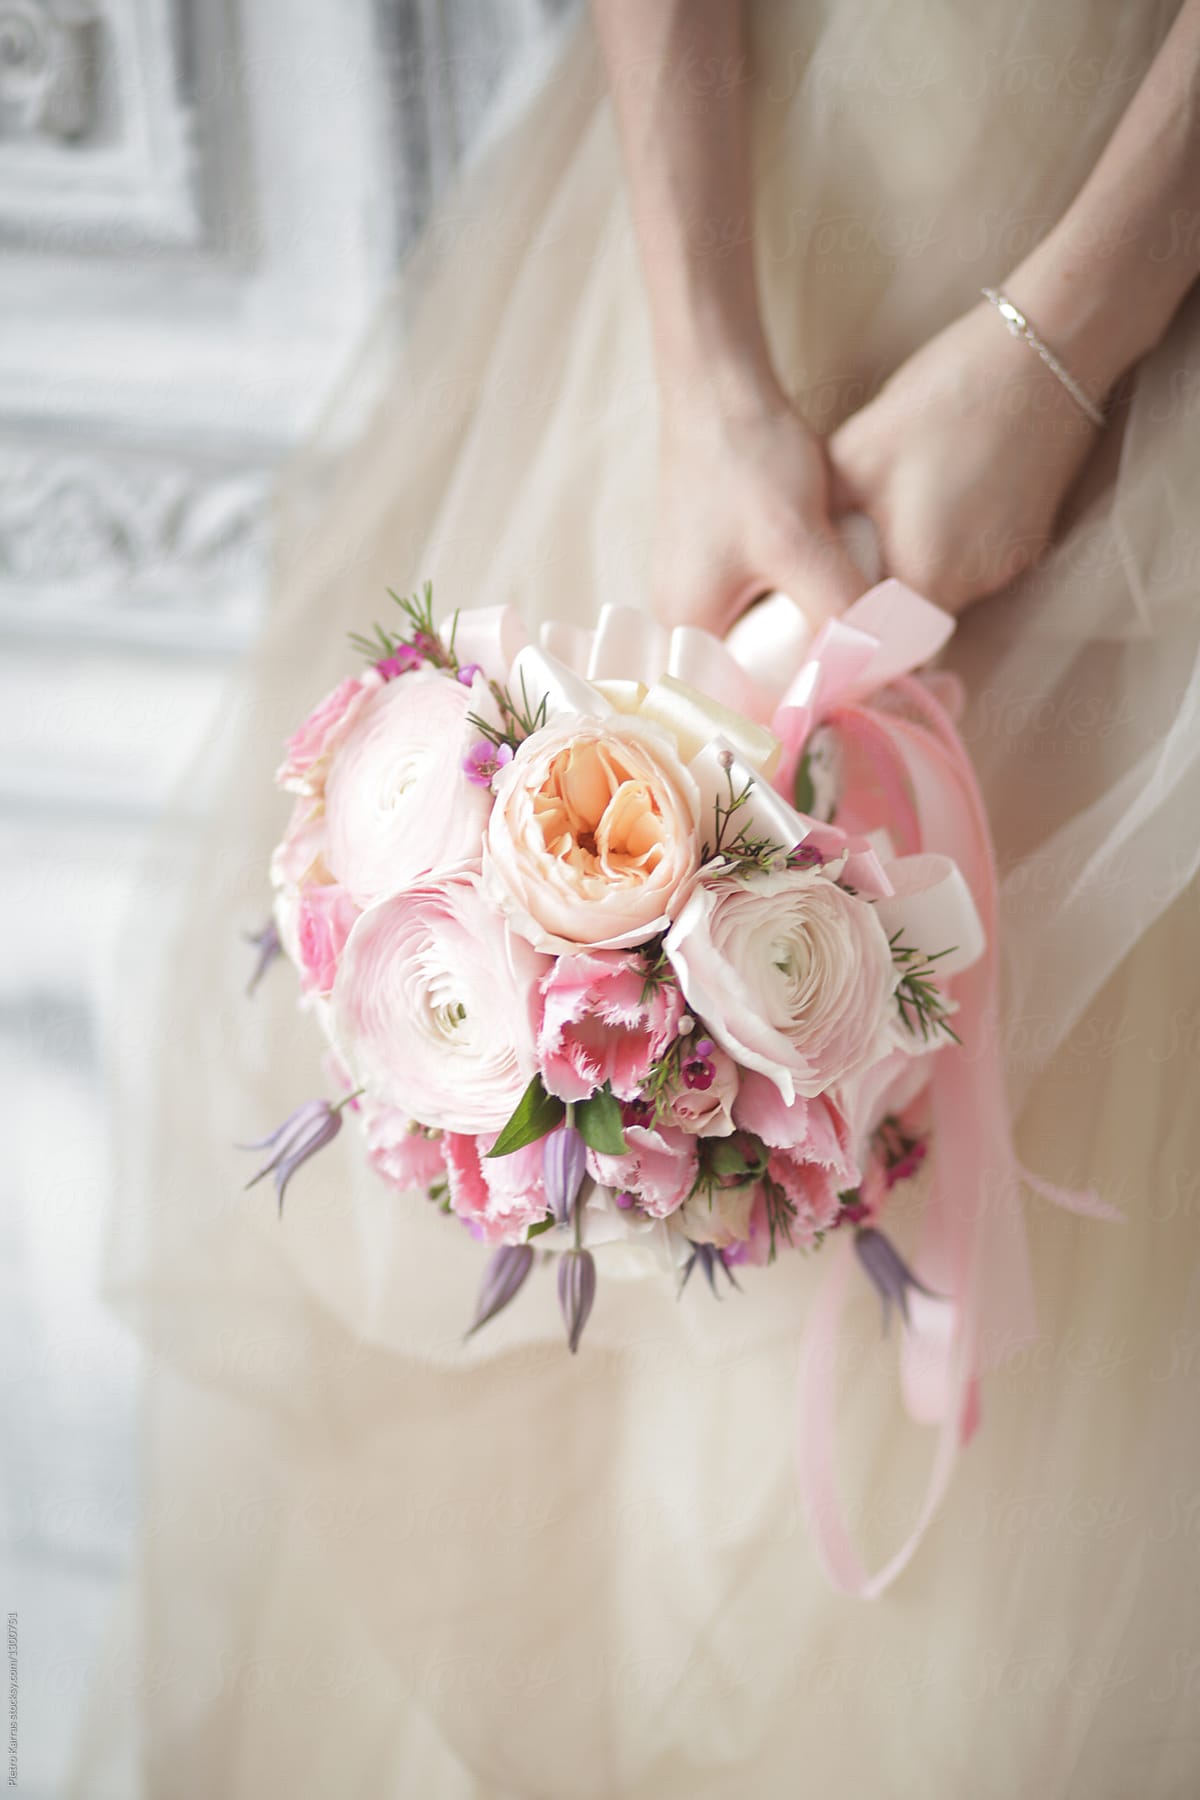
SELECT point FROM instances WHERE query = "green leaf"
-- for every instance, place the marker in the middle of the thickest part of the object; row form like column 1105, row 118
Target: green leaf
column 536, row 1113
column 804, row 794
column 598, row 1122
column 542, row 1225
column 743, row 1157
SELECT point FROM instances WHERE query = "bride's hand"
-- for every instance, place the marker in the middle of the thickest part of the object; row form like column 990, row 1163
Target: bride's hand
column 743, row 508
column 963, row 460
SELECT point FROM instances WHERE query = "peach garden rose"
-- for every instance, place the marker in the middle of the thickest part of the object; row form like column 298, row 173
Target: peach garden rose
column 593, row 842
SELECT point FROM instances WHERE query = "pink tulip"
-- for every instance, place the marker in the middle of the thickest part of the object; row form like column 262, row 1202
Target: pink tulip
column 658, row 1168
column 397, row 1149
column 501, row 1196
column 601, row 1021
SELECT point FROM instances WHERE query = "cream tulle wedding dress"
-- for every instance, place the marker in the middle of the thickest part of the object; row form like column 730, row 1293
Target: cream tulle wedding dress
column 377, row 1563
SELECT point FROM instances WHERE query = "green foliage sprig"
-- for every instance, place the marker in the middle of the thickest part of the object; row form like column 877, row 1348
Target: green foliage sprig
column 923, row 1006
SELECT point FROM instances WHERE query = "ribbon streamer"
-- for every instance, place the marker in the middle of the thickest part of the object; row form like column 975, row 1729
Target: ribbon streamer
column 779, row 682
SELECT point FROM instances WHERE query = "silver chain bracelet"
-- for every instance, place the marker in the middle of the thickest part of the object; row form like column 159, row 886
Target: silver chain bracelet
column 1020, row 327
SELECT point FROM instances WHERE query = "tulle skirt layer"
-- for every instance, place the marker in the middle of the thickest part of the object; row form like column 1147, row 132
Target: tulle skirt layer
column 378, row 1561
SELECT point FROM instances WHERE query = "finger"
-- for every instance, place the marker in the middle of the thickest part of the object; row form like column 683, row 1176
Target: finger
column 712, row 604
column 845, row 494
column 849, row 484
column 825, row 579
column 864, row 544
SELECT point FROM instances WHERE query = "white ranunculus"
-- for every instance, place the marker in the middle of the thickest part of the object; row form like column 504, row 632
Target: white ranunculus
column 790, row 974
column 398, row 805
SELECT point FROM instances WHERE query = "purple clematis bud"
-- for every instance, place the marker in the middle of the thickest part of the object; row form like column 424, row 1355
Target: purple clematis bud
column 266, row 942
column 710, row 1259
column 308, row 1130
column 889, row 1273
column 564, row 1165
column 576, row 1292
column 502, row 1279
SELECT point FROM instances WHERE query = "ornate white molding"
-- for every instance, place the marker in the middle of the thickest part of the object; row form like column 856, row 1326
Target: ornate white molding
column 113, row 543
column 50, row 54
column 202, row 202
column 96, row 127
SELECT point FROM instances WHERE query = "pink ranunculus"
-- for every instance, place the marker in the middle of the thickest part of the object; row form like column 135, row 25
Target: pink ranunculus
column 434, row 1005
column 602, row 1021
column 792, row 975
column 398, row 1149
column 708, row 1111
column 658, row 1168
column 398, row 804
column 593, row 840
column 499, row 1196
column 308, row 751
column 323, row 923
column 813, row 1189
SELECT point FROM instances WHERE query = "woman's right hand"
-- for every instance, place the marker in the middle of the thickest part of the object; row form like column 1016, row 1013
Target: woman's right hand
column 743, row 509
column 963, row 460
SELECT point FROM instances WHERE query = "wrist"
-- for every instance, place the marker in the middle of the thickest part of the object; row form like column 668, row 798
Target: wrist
column 1100, row 306
column 715, row 379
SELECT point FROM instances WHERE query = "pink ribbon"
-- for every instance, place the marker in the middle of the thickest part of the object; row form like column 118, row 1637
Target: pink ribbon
column 972, row 1253
column 973, row 1250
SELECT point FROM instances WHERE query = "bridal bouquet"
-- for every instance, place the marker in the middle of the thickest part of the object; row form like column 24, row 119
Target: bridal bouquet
column 630, row 943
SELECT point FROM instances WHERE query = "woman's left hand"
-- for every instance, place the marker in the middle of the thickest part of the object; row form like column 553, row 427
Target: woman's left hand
column 963, row 460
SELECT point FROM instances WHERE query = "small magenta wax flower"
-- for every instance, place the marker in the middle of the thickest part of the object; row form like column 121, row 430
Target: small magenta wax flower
column 637, row 1111
column 905, row 1166
column 482, row 763
column 697, row 1068
column 468, row 672
column 806, row 856
column 308, row 1130
column 403, row 660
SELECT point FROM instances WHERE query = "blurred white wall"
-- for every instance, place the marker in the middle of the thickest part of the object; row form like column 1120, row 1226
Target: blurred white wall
column 201, row 202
